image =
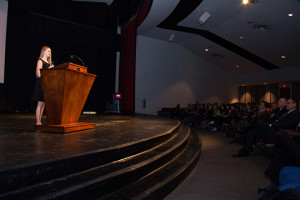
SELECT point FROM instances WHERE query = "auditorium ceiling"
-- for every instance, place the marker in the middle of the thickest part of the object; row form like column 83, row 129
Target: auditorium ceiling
column 262, row 35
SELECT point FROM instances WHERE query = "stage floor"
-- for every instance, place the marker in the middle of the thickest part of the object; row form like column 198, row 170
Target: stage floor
column 21, row 144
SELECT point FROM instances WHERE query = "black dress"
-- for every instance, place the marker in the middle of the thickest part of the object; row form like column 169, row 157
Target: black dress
column 38, row 90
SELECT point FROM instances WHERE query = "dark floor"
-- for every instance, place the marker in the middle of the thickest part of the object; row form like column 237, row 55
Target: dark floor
column 219, row 176
column 21, row 144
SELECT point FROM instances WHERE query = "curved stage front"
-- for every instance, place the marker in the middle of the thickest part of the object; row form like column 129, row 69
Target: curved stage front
column 124, row 157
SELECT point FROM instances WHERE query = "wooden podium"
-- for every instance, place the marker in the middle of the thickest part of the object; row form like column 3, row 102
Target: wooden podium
column 65, row 87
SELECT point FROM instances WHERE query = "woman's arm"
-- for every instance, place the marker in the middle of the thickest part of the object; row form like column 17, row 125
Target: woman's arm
column 39, row 66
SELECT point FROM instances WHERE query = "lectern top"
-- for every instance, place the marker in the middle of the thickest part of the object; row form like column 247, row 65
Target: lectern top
column 71, row 66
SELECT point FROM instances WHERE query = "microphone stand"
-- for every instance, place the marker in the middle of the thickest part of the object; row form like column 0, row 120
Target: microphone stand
column 74, row 56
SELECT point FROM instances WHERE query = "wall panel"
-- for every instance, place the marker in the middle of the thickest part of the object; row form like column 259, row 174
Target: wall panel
column 296, row 90
column 254, row 92
column 242, row 94
column 248, row 94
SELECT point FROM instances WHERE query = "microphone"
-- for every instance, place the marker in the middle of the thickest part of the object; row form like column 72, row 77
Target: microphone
column 74, row 56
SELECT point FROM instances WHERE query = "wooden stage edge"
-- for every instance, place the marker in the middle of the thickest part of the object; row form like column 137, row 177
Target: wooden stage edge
column 66, row 128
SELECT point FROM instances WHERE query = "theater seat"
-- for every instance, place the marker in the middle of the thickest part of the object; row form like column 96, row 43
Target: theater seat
column 293, row 133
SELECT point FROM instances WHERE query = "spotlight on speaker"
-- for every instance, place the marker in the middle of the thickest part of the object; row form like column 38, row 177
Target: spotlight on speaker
column 171, row 37
column 204, row 17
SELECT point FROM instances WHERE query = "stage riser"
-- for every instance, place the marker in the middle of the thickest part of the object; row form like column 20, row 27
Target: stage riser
column 116, row 176
column 161, row 182
column 128, row 176
column 22, row 176
column 165, row 188
column 123, row 173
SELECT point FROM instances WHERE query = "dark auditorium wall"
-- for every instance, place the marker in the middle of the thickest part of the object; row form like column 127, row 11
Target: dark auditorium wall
column 168, row 74
column 257, row 93
column 267, row 76
column 296, row 90
column 268, row 92
column 78, row 28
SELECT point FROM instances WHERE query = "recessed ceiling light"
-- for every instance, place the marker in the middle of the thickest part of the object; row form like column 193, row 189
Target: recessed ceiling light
column 291, row 15
column 237, row 66
column 265, row 83
column 245, row 2
column 206, row 49
column 241, row 37
column 283, row 57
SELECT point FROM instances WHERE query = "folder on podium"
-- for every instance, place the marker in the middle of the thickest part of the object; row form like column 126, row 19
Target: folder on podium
column 65, row 88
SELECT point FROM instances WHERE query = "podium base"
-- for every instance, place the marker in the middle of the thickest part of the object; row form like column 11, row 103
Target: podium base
column 66, row 128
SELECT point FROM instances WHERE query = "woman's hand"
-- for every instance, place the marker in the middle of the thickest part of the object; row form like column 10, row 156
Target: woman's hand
column 51, row 66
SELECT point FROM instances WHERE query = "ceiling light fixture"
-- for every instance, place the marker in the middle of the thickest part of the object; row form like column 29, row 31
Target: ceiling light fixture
column 291, row 15
column 241, row 37
column 204, row 17
column 206, row 49
column 246, row 2
column 283, row 57
column 171, row 37
column 237, row 66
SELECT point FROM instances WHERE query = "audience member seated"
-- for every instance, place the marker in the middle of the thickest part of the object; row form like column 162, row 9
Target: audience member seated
column 287, row 154
column 273, row 109
column 208, row 117
column 231, row 114
column 261, row 114
column 216, row 122
column 287, row 121
column 228, row 117
column 277, row 113
column 243, row 124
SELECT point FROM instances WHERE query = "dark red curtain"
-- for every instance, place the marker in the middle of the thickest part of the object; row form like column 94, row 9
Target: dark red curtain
column 127, row 60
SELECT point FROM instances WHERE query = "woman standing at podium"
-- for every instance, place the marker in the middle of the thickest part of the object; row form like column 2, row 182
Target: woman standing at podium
column 44, row 62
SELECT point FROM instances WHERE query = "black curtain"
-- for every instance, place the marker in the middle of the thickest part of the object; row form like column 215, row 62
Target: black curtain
column 89, row 35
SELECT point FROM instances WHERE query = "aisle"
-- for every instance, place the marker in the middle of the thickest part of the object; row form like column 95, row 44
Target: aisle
column 219, row 176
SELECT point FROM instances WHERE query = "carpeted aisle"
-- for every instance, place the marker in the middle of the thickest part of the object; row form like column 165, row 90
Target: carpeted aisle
column 219, row 176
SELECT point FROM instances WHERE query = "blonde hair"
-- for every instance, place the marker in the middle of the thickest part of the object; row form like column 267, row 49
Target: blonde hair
column 44, row 48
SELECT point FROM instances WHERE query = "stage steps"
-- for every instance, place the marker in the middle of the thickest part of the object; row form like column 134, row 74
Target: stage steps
column 147, row 169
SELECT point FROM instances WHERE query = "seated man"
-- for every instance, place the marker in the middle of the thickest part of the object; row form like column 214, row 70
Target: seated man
column 288, row 121
column 281, row 110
